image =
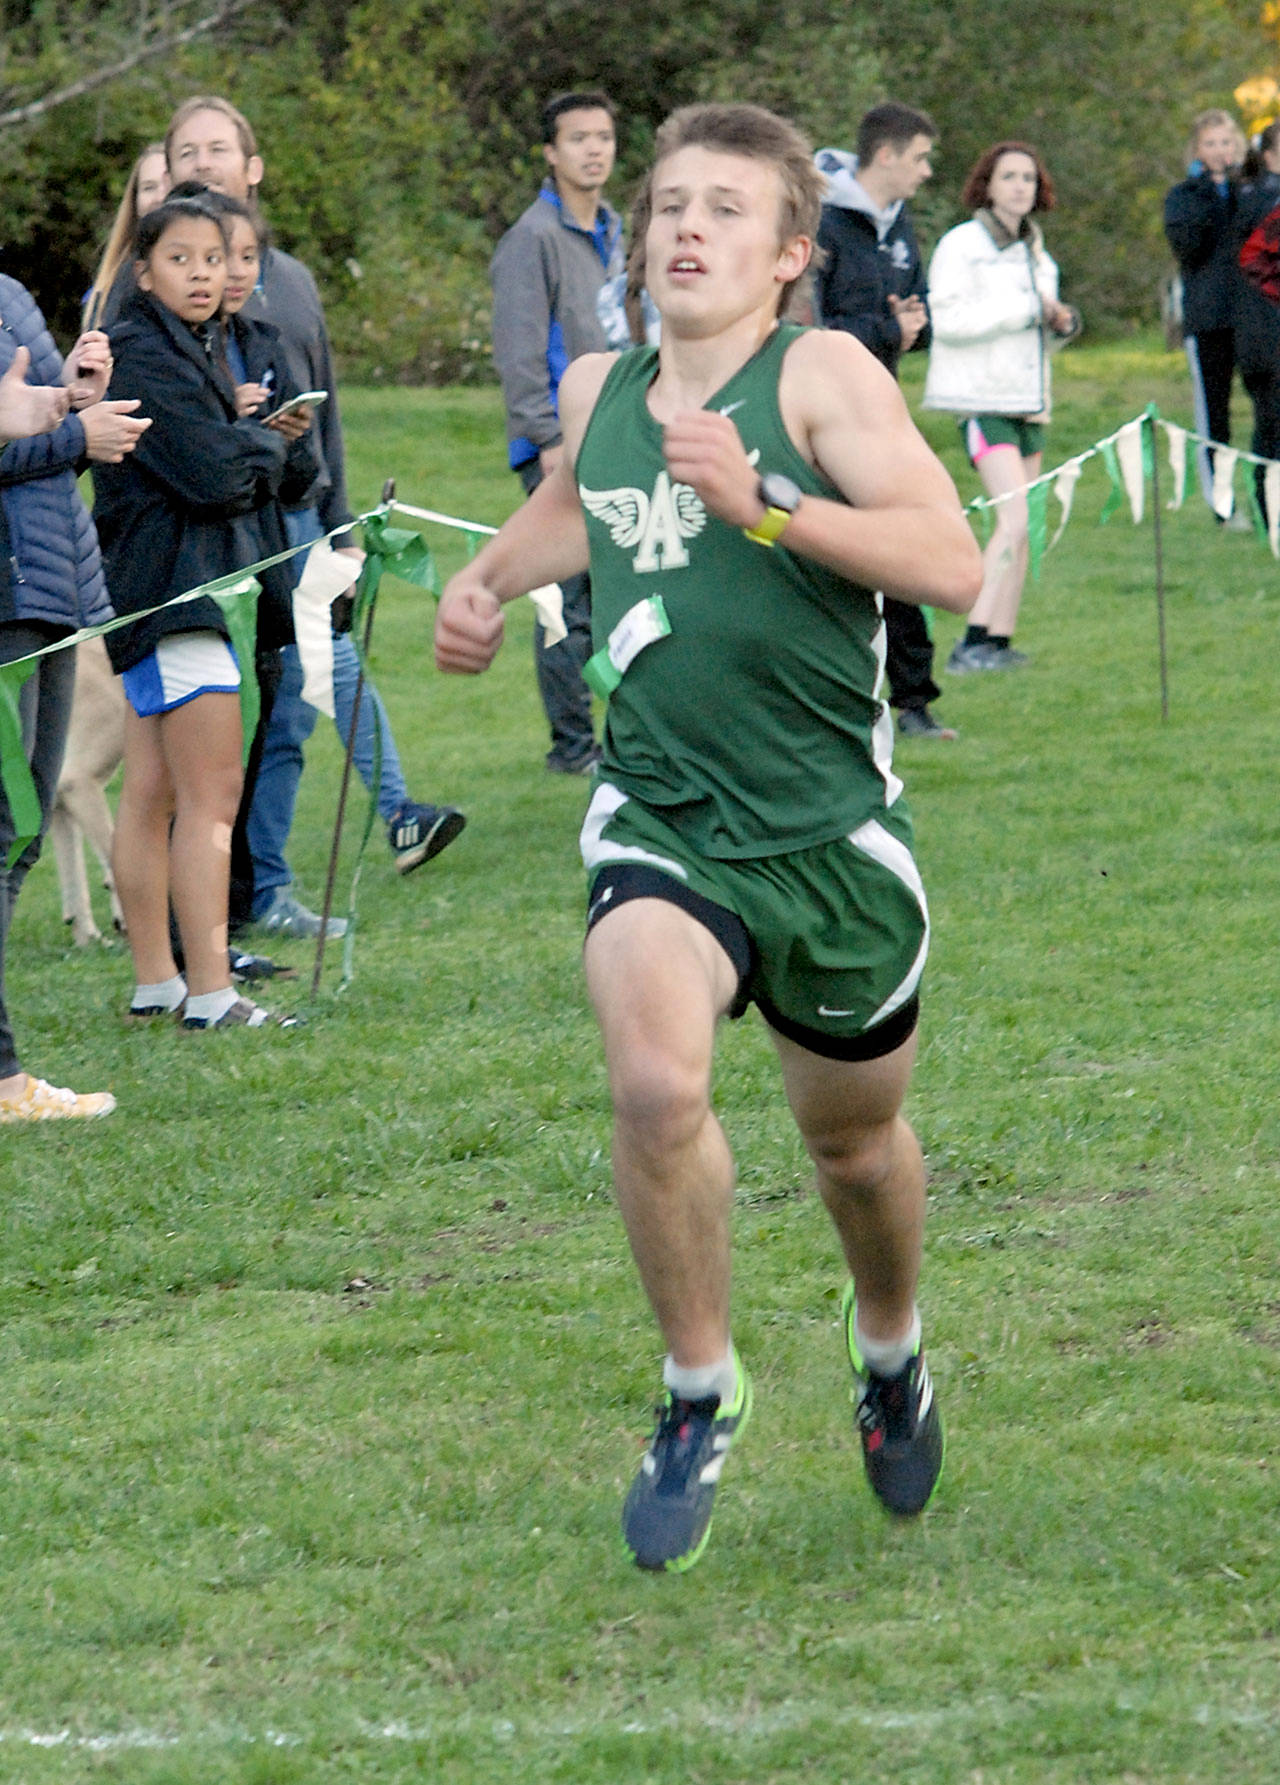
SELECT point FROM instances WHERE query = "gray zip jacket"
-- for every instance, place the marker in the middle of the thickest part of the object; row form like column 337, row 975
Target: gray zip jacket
column 547, row 272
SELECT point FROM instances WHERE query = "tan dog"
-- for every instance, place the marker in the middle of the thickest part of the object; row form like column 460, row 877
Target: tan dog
column 95, row 745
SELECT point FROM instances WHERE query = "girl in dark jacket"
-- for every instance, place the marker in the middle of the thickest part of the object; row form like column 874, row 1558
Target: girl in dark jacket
column 51, row 583
column 187, row 509
column 259, row 370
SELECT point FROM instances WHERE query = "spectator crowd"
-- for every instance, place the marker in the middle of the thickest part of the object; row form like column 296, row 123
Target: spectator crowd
column 202, row 396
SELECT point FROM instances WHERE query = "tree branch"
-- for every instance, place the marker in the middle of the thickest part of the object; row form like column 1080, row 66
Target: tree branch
column 26, row 114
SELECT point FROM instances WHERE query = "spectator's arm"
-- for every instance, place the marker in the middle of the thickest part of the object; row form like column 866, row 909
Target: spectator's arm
column 522, row 308
column 40, row 455
column 1193, row 223
column 205, row 461
column 918, row 287
column 63, row 449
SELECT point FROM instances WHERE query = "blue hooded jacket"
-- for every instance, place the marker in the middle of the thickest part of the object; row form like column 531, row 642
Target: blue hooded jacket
column 54, row 574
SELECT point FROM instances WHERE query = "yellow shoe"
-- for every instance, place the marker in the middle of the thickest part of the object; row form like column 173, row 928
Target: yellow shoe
column 41, row 1102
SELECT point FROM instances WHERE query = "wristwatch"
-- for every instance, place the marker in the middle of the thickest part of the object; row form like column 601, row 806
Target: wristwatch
column 781, row 498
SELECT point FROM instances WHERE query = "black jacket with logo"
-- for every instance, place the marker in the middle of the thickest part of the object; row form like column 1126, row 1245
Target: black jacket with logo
column 861, row 273
column 198, row 497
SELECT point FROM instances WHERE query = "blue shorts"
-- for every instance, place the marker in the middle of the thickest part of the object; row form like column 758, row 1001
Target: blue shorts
column 183, row 665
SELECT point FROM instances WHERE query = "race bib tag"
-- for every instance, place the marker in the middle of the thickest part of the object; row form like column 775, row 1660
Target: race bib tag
column 640, row 626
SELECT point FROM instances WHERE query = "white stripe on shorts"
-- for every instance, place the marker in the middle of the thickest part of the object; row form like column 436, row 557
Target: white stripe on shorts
column 183, row 665
column 874, row 840
column 882, row 730
column 605, row 802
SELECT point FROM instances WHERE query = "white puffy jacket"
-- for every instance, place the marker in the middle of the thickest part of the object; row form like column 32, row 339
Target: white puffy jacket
column 990, row 351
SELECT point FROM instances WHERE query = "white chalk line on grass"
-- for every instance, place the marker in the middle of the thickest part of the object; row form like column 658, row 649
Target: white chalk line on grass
column 786, row 1718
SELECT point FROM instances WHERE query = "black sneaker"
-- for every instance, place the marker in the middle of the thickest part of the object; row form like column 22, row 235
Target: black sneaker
column 900, row 1427
column 249, row 969
column 416, row 833
column 666, row 1520
column 582, row 764
column 919, row 722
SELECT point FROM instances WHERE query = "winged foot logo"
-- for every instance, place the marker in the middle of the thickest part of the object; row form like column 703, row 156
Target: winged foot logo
column 657, row 524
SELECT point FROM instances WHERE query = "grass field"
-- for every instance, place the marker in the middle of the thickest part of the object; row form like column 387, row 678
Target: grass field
column 326, row 1369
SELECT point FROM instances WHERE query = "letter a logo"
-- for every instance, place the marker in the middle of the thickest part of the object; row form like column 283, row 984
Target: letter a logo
column 675, row 514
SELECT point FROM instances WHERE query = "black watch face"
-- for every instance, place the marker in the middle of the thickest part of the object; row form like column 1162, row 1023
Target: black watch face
column 777, row 491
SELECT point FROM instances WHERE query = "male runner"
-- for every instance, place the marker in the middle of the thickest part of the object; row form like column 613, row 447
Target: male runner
column 739, row 493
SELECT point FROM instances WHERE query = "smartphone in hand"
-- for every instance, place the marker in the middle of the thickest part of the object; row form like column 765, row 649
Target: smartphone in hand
column 303, row 397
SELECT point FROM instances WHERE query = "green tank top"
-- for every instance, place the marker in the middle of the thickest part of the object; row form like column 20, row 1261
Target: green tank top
column 755, row 727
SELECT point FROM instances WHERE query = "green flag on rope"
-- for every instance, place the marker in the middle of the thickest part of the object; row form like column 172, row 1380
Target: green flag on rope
column 1115, row 496
column 239, row 604
column 406, row 555
column 15, row 770
column 986, row 520
column 1037, row 525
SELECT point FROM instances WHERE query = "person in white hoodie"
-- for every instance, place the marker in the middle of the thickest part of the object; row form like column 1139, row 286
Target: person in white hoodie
column 993, row 299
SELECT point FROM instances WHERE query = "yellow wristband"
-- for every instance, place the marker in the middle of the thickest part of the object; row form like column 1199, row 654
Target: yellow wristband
column 769, row 527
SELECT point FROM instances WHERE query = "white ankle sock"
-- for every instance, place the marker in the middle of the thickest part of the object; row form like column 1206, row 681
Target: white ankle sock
column 166, row 994
column 212, row 1005
column 700, row 1381
column 885, row 1357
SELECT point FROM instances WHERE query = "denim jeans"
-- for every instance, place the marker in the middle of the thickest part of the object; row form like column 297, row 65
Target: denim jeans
column 292, row 722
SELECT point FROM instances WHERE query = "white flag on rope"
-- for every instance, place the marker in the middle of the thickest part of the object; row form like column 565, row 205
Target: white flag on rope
column 1224, row 476
column 549, row 602
column 1177, row 461
column 325, row 575
column 1129, row 457
column 1064, row 488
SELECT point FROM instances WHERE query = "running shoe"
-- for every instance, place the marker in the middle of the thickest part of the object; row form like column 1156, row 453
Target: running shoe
column 919, row 722
column 417, row 833
column 286, row 915
column 39, row 1101
column 900, row 1427
column 667, row 1516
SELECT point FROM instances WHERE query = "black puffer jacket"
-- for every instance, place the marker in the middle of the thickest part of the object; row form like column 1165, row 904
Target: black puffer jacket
column 197, row 498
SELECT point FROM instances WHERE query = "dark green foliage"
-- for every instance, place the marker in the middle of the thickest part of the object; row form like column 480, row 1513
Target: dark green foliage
column 400, row 139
